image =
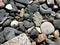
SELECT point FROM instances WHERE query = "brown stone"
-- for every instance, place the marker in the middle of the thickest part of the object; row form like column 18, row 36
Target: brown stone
column 1, row 3
column 41, row 38
column 22, row 39
column 41, row 1
column 33, row 43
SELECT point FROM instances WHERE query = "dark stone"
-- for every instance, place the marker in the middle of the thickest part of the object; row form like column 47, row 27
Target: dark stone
column 57, row 23
column 9, row 33
column 44, row 9
column 28, row 24
column 23, row 1
column 19, row 5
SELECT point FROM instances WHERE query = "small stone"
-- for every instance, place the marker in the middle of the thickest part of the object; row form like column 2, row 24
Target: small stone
column 58, row 15
column 9, row 7
column 2, row 3
column 22, row 12
column 33, row 43
column 50, row 2
column 55, row 7
column 53, row 14
column 38, row 29
column 41, row 1
column 44, row 9
column 41, row 37
column 57, row 23
column 50, row 36
column 37, row 18
column 14, row 23
column 50, row 28
column 22, row 39
column 56, row 34
column 26, row 15
column 28, row 24
column 19, row 5
column 7, row 22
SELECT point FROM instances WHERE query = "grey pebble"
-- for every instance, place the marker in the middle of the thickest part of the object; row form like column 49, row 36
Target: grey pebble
column 58, row 15
column 28, row 24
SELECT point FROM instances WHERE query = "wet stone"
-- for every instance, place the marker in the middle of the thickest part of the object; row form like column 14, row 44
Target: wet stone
column 50, row 28
column 22, row 39
column 28, row 24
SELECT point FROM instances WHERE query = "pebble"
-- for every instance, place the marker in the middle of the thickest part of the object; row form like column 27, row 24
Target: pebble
column 50, row 28
column 56, row 34
column 41, row 37
column 2, row 3
column 49, row 2
column 22, row 12
column 44, row 9
column 28, row 24
column 53, row 14
column 37, row 18
column 57, row 23
column 55, row 7
column 9, row 7
column 38, row 29
column 41, row 1
column 33, row 43
column 5, row 1
column 58, row 2
column 58, row 15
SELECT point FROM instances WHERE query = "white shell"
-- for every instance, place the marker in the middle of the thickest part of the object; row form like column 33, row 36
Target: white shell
column 14, row 23
column 9, row 6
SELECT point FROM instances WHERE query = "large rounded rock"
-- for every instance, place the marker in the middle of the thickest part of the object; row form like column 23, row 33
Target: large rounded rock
column 47, row 28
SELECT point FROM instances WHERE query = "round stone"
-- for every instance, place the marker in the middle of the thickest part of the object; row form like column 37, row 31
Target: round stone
column 41, row 37
column 14, row 23
column 56, row 34
column 47, row 28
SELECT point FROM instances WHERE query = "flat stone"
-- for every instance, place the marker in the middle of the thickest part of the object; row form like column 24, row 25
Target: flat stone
column 28, row 24
column 44, row 9
column 1, row 4
column 50, row 2
column 23, row 1
column 9, row 33
column 22, row 39
column 41, row 37
column 56, row 34
column 9, row 7
column 57, row 23
column 19, row 5
column 50, row 28
column 37, row 18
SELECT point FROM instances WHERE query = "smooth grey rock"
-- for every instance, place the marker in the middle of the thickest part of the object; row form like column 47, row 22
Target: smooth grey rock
column 57, row 23
column 22, row 39
column 47, row 28
column 44, row 9
column 23, row 1
column 19, row 5
column 28, row 24
column 9, row 33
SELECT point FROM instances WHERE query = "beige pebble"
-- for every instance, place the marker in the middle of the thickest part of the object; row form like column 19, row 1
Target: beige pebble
column 41, row 37
column 22, row 12
column 14, row 23
column 33, row 43
column 56, row 34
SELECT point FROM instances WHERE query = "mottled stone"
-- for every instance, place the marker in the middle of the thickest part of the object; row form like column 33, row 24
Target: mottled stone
column 41, row 37
column 22, row 39
column 37, row 18
column 56, row 34
column 47, row 28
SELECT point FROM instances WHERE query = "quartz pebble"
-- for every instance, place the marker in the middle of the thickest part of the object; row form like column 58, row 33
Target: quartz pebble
column 50, row 28
column 41, row 37
column 14, row 23
column 56, row 34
